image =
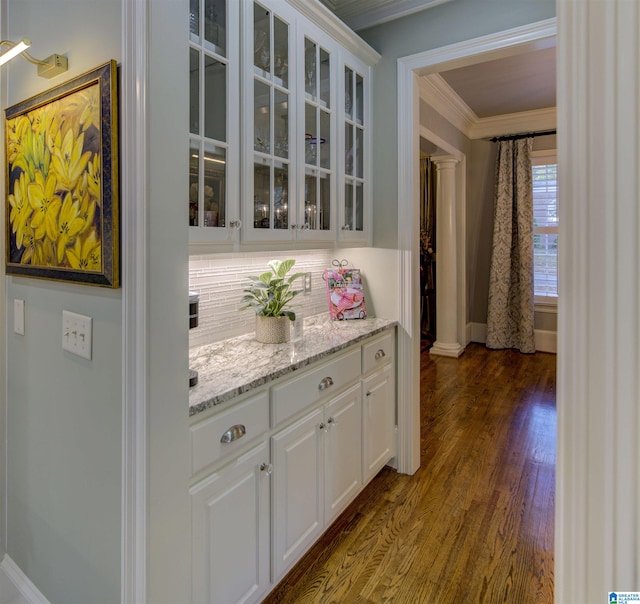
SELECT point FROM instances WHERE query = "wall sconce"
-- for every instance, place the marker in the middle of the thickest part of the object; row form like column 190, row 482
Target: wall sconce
column 48, row 68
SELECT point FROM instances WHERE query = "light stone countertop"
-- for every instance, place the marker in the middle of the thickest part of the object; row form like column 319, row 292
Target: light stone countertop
column 232, row 367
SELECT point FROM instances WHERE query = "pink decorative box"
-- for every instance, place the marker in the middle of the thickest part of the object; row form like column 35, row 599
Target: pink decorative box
column 345, row 293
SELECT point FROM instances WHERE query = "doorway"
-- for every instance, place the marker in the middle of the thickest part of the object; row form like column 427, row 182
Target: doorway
column 428, row 247
column 410, row 131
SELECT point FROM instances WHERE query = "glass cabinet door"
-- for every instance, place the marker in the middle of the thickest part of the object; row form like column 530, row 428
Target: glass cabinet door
column 353, row 217
column 270, row 126
column 213, row 67
column 317, row 138
column 277, row 126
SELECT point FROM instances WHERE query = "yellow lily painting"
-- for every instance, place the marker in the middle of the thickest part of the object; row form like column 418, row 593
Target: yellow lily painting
column 61, row 209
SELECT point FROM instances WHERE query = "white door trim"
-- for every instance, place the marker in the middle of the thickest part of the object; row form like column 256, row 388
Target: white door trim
column 133, row 171
column 409, row 68
column 408, row 296
column 598, row 468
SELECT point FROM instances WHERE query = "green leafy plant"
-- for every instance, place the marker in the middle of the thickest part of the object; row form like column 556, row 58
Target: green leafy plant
column 270, row 292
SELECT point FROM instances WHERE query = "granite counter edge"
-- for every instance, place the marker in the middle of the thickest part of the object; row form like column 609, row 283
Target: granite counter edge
column 270, row 377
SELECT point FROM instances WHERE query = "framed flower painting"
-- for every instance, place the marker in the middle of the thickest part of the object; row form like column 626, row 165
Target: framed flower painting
column 62, row 211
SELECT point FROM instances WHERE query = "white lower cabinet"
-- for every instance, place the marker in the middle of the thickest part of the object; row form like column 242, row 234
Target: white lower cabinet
column 378, row 421
column 342, row 452
column 297, row 489
column 273, row 469
column 230, row 531
column 316, row 473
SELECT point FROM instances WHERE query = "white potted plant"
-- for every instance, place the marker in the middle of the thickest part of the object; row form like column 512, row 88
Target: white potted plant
column 268, row 295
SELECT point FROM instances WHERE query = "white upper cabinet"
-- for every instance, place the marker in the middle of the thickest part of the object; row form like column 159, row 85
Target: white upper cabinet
column 355, row 206
column 279, row 125
column 268, row 121
column 316, row 135
column 214, row 60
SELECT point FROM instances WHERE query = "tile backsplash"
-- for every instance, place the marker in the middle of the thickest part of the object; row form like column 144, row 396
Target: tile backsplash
column 220, row 278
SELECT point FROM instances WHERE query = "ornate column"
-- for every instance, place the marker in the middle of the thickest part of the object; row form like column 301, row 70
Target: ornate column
column 446, row 343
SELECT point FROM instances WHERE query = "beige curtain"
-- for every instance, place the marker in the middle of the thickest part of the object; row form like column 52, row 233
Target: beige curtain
column 511, row 299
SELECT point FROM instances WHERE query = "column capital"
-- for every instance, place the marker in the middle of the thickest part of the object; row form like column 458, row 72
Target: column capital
column 445, row 160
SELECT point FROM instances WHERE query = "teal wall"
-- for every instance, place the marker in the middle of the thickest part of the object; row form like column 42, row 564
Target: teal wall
column 441, row 25
column 64, row 413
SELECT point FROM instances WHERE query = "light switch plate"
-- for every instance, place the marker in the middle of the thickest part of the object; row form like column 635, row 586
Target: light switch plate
column 77, row 334
column 18, row 317
column 307, row 283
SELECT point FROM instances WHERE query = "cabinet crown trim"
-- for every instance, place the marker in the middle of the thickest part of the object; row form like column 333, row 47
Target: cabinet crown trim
column 322, row 17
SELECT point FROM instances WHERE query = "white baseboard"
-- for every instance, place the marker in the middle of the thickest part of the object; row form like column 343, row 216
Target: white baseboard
column 546, row 341
column 28, row 592
column 478, row 332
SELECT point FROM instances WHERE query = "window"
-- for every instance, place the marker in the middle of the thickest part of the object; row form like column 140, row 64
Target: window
column 545, row 226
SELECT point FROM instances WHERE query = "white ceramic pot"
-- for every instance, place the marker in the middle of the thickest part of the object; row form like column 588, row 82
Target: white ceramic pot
column 272, row 330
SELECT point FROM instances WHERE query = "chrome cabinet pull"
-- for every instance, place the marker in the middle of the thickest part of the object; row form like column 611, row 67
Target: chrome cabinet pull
column 369, row 393
column 323, row 427
column 267, row 468
column 325, row 383
column 233, row 433
column 332, row 422
column 379, row 355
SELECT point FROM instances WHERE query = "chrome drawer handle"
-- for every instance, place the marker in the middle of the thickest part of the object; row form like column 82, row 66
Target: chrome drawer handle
column 233, row 433
column 325, row 383
column 380, row 354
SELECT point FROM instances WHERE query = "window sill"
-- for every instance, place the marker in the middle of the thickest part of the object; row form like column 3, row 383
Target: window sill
column 547, row 306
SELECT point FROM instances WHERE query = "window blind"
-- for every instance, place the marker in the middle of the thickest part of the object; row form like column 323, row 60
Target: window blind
column 545, row 230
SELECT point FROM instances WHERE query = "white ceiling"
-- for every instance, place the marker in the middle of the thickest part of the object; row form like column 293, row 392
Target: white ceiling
column 523, row 82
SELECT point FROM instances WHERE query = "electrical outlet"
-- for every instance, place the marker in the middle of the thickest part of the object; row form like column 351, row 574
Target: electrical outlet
column 307, row 283
column 77, row 334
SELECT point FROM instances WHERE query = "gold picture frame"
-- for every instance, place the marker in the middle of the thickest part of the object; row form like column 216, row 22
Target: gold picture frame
column 62, row 206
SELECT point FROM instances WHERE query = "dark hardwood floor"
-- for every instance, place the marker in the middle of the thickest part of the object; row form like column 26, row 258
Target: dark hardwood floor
column 475, row 523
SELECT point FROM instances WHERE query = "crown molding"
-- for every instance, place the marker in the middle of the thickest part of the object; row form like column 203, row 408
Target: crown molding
column 435, row 90
column 321, row 16
column 513, row 123
column 361, row 14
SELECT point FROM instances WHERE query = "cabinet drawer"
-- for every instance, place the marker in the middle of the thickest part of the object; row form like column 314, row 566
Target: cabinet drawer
column 378, row 352
column 297, row 394
column 229, row 430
